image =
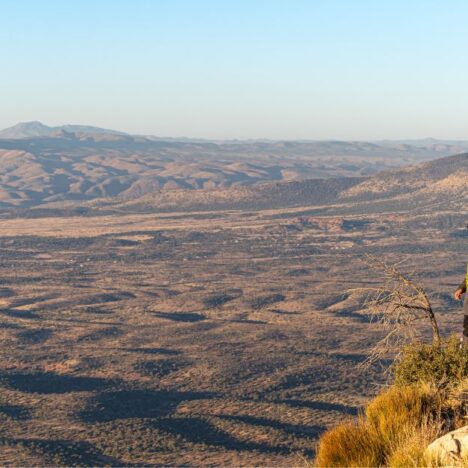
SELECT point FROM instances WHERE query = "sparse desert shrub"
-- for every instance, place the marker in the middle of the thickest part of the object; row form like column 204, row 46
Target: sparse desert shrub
column 443, row 366
column 389, row 430
column 428, row 395
column 260, row 302
column 217, row 300
column 350, row 444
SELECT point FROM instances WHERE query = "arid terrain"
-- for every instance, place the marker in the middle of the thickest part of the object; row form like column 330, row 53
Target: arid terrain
column 40, row 164
column 202, row 327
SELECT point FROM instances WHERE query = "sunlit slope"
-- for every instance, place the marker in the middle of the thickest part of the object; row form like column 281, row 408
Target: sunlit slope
column 77, row 163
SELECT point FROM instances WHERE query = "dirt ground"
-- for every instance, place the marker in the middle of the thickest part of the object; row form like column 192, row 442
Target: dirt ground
column 228, row 340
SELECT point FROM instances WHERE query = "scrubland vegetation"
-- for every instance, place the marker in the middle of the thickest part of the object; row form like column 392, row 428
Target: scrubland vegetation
column 425, row 401
column 426, row 398
column 221, row 338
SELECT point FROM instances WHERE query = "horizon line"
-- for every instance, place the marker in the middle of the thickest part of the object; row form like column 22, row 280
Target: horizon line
column 228, row 139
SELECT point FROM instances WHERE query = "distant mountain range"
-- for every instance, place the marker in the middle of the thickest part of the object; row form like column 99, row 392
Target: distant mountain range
column 38, row 129
column 74, row 163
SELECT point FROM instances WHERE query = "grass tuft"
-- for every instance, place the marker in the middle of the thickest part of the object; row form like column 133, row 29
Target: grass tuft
column 350, row 444
column 394, row 430
column 401, row 409
column 410, row 450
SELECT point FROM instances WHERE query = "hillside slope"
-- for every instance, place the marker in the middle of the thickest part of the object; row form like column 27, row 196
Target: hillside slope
column 441, row 181
column 442, row 175
column 88, row 165
column 264, row 196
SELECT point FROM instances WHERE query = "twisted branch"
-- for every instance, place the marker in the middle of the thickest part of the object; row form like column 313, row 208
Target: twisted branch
column 396, row 305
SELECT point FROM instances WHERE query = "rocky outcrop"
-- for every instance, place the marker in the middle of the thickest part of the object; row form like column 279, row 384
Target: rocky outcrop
column 451, row 448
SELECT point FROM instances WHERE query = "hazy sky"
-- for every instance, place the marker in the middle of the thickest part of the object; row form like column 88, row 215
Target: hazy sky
column 316, row 69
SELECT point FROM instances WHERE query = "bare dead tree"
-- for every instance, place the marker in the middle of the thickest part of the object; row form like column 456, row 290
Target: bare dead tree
column 397, row 305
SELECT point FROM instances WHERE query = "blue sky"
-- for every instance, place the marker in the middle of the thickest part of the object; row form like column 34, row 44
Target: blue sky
column 283, row 69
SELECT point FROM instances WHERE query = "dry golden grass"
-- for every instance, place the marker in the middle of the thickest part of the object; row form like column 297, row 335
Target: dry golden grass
column 402, row 408
column 350, row 444
column 395, row 429
column 457, row 401
column 411, row 447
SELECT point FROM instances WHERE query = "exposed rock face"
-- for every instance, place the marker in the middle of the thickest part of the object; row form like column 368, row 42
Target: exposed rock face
column 451, row 447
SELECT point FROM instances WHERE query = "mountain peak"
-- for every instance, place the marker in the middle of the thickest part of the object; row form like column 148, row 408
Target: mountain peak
column 25, row 130
column 38, row 129
column 30, row 123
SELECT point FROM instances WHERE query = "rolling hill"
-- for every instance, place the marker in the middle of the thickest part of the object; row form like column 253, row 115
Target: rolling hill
column 42, row 165
column 448, row 174
column 444, row 180
column 217, row 331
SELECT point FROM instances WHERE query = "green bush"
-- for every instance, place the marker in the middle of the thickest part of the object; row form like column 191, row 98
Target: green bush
column 443, row 366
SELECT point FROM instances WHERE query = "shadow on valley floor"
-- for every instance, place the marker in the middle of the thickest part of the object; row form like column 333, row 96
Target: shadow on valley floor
column 353, row 314
column 198, row 431
column 299, row 430
column 264, row 301
column 7, row 292
column 34, row 336
column 50, row 383
column 322, row 406
column 108, row 297
column 251, row 321
column 98, row 310
column 152, row 351
column 108, row 332
column 17, row 412
column 160, row 368
column 354, row 358
column 10, row 326
column 180, row 316
column 21, row 314
column 62, row 452
column 284, row 312
column 127, row 404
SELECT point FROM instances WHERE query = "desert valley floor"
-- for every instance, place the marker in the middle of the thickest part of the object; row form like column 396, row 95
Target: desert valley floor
column 199, row 338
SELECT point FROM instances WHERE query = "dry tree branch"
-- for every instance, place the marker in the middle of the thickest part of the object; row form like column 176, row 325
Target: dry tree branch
column 396, row 305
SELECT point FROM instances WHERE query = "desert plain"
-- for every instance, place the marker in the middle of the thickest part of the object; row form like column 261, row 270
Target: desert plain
column 215, row 326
